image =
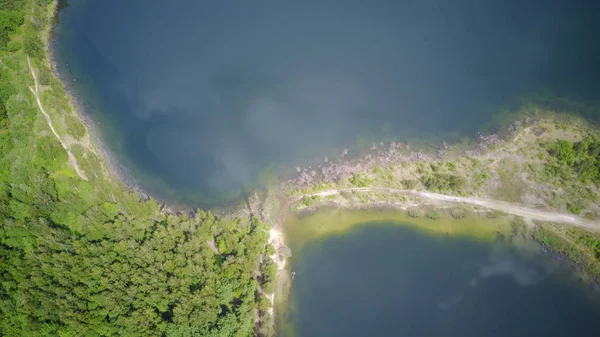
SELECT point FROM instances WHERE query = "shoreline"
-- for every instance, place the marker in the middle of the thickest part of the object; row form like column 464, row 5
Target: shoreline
column 276, row 233
column 58, row 203
column 479, row 217
column 110, row 161
column 308, row 194
column 497, row 205
column 124, row 173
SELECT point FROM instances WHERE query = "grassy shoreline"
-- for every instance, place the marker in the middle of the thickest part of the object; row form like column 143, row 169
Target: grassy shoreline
column 513, row 168
column 325, row 222
column 577, row 246
column 336, row 221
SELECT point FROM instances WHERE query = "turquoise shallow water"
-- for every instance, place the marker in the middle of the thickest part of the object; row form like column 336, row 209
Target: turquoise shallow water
column 389, row 280
column 197, row 99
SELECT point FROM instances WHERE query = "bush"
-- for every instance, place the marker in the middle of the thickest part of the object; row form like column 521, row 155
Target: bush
column 574, row 208
column 494, row 214
column 75, row 127
column 458, row 213
column 359, row 180
column 518, row 228
column 415, row 213
column 263, row 303
column 32, row 44
column 580, row 160
column 44, row 75
column 590, row 216
column 432, row 214
column 409, row 184
column 346, row 195
column 270, row 250
column 563, row 150
column 310, row 201
column 3, row 116
column 268, row 287
column 9, row 21
column 14, row 46
column 444, row 182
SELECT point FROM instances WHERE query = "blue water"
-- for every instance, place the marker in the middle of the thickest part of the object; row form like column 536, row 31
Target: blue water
column 388, row 280
column 199, row 98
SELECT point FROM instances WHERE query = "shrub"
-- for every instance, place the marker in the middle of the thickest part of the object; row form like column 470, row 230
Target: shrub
column 563, row 150
column 415, row 213
column 263, row 303
column 590, row 216
column 432, row 214
column 75, row 127
column 32, row 44
column 359, row 180
column 580, row 160
column 44, row 75
column 346, row 195
column 444, row 182
column 270, row 250
column 3, row 116
column 518, row 228
column 310, row 201
column 14, row 46
column 574, row 208
column 458, row 213
column 494, row 214
column 409, row 184
column 9, row 21
column 268, row 287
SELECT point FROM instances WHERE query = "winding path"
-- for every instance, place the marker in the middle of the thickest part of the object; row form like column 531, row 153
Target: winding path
column 506, row 207
column 72, row 159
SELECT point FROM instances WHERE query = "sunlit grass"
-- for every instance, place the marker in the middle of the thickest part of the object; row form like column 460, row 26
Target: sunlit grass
column 301, row 229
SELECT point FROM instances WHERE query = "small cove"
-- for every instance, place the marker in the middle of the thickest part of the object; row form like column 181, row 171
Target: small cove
column 390, row 278
column 202, row 103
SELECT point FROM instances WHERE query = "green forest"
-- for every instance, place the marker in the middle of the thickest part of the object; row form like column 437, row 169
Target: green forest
column 92, row 258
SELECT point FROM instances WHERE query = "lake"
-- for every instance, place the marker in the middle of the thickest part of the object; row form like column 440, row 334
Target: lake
column 389, row 279
column 202, row 101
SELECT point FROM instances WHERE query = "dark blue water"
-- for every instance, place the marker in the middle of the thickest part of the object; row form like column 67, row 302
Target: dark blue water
column 198, row 98
column 386, row 280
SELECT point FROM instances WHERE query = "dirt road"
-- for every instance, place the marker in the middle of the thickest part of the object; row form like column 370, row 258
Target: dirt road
column 509, row 208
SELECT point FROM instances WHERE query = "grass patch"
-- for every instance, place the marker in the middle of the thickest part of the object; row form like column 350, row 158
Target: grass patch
column 579, row 246
column 303, row 228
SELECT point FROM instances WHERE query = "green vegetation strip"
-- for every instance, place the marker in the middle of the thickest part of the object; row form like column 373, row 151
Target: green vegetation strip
column 302, row 228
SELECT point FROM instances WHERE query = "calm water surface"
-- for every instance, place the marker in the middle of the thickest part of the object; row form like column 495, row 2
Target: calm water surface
column 199, row 98
column 388, row 280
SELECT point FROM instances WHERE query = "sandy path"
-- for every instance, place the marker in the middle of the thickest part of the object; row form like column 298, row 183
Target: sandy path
column 506, row 207
column 72, row 159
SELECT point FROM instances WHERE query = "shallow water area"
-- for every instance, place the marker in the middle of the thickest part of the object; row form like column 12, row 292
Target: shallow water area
column 201, row 101
column 389, row 277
